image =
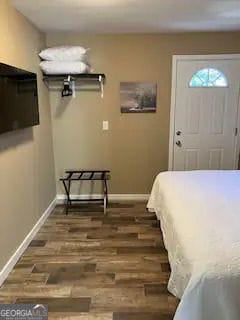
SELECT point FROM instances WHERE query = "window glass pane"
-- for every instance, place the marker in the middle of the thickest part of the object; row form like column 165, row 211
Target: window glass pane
column 203, row 74
column 196, row 82
column 213, row 75
column 221, row 82
column 208, row 77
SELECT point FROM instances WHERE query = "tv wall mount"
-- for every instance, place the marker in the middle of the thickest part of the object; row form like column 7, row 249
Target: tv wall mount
column 70, row 83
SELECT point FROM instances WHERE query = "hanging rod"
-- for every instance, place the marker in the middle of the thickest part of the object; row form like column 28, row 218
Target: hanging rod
column 69, row 81
column 75, row 77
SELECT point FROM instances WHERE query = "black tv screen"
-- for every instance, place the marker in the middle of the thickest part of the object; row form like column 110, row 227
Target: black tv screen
column 18, row 99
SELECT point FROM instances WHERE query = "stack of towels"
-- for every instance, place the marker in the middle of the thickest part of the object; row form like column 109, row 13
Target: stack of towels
column 64, row 60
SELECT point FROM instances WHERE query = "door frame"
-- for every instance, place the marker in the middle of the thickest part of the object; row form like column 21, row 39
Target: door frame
column 175, row 60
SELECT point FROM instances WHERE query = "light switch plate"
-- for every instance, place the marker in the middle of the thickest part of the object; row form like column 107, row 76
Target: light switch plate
column 105, row 125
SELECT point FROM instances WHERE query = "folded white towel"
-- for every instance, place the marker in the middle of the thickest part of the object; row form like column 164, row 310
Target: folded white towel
column 64, row 53
column 64, row 67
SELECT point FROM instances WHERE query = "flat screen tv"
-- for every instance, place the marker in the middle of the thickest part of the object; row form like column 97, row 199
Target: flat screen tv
column 18, row 99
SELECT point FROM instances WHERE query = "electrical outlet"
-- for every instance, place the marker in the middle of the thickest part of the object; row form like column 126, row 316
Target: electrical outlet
column 105, row 125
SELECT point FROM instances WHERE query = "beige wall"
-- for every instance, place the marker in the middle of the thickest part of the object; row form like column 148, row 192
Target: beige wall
column 27, row 184
column 136, row 146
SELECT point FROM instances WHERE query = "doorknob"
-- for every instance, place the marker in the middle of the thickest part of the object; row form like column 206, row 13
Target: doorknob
column 179, row 143
column 178, row 133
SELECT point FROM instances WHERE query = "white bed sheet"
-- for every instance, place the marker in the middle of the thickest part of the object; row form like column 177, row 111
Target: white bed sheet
column 200, row 219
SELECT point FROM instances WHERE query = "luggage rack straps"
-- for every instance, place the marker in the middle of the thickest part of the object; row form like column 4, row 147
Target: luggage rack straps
column 86, row 175
column 78, row 171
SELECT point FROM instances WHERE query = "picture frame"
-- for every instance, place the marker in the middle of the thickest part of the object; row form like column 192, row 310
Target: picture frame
column 138, row 97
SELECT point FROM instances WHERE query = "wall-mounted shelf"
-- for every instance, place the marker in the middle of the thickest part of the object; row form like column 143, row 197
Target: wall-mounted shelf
column 70, row 81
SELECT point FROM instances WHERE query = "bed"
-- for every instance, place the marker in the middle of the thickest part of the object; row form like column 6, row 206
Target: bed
column 199, row 213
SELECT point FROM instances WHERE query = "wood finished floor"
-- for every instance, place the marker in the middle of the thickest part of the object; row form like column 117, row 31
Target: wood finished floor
column 88, row 266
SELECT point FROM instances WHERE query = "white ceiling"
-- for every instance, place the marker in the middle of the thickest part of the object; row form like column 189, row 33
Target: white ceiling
column 131, row 16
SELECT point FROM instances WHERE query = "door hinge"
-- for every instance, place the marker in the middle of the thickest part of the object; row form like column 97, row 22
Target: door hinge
column 236, row 131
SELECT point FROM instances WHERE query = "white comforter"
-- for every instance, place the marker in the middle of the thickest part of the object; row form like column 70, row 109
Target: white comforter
column 200, row 220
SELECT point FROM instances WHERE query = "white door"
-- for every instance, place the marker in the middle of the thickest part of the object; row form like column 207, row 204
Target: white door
column 205, row 114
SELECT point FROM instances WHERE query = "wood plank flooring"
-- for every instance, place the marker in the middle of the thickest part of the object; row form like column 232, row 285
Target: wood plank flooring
column 88, row 266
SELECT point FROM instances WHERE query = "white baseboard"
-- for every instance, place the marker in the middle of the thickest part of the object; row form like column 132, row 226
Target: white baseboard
column 23, row 246
column 112, row 197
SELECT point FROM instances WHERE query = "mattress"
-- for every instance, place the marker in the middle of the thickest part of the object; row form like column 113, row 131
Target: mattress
column 200, row 220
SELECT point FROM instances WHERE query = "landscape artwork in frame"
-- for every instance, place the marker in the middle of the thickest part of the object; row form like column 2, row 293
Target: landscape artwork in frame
column 138, row 97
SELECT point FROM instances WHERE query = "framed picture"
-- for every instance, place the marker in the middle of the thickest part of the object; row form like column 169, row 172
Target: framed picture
column 138, row 97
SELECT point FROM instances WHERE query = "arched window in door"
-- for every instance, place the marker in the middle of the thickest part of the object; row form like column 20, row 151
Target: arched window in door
column 208, row 77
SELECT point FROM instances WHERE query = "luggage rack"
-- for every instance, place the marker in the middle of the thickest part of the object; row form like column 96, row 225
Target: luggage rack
column 85, row 175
